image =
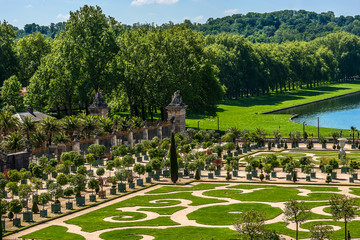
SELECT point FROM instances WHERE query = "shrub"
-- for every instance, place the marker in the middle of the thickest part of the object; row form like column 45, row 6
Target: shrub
column 35, row 208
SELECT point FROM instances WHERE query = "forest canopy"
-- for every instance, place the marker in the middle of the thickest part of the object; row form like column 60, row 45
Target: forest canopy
column 139, row 67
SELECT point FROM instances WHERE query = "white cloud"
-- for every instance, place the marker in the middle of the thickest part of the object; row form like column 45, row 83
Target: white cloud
column 15, row 20
column 231, row 11
column 198, row 18
column 146, row 2
column 62, row 16
column 28, row 6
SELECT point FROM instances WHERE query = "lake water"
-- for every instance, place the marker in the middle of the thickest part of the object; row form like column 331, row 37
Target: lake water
column 342, row 112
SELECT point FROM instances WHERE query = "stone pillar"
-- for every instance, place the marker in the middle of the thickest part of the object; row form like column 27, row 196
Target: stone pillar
column 177, row 112
column 76, row 146
column 97, row 141
column 159, row 131
column 173, row 127
column 146, row 133
column 131, row 138
column 114, row 139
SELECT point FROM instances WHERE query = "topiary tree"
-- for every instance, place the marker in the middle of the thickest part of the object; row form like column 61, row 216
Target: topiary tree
column 13, row 188
column 139, row 147
column 148, row 168
column 44, row 198
column 82, row 170
column 90, row 159
column 93, row 184
column 53, row 162
column 174, row 168
column 14, row 176
column 55, row 190
column 24, row 174
column 121, row 174
column 37, row 171
column 156, row 163
column 78, row 160
column 25, row 192
column 127, row 161
column 97, row 150
column 68, row 192
column 35, row 208
column 139, row 169
column 110, row 166
column 4, row 206
column 61, row 168
column 78, row 182
column 62, row 180
column 15, row 206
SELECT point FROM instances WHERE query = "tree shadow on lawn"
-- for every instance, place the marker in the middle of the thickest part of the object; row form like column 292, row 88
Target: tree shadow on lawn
column 275, row 99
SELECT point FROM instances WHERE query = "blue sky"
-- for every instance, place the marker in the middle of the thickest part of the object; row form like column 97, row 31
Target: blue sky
column 43, row 12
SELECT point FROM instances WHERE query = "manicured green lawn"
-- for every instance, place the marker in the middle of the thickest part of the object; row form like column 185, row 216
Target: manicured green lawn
column 86, row 221
column 270, row 195
column 243, row 113
column 222, row 215
column 201, row 186
column 355, row 191
column 165, row 205
column 353, row 227
column 163, row 211
column 54, row 233
column 179, row 233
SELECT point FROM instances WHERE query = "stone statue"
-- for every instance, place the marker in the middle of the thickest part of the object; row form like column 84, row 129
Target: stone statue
column 177, row 99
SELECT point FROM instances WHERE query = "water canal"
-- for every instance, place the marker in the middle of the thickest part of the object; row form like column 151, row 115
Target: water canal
column 342, row 112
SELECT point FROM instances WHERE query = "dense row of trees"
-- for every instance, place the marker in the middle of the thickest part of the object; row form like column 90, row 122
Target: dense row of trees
column 280, row 26
column 48, row 31
column 140, row 67
column 137, row 69
column 247, row 68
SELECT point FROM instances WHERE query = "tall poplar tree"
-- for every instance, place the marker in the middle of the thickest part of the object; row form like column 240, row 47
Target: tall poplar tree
column 173, row 160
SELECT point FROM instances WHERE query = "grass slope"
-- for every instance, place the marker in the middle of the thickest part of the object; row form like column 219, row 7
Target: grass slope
column 179, row 233
column 243, row 113
column 201, row 186
column 54, row 233
column 225, row 214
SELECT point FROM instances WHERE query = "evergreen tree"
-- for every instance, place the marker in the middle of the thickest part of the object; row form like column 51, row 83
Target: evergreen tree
column 173, row 160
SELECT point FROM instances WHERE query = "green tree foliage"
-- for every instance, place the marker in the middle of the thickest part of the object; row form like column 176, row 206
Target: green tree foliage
column 173, row 160
column 296, row 212
column 30, row 50
column 8, row 61
column 10, row 93
column 343, row 207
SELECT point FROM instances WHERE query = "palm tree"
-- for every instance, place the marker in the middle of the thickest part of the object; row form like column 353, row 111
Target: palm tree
column 106, row 124
column 71, row 124
column 37, row 138
column 13, row 142
column 50, row 126
column 89, row 125
column 353, row 129
column 8, row 123
column 28, row 126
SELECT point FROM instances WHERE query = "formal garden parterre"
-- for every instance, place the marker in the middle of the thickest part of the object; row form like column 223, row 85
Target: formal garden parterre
column 202, row 210
column 188, row 209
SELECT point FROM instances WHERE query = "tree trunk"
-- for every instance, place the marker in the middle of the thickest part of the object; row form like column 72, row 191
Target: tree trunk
column 297, row 231
column 346, row 230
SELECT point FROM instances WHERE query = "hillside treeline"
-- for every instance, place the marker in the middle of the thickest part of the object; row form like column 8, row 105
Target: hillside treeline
column 280, row 26
column 140, row 68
